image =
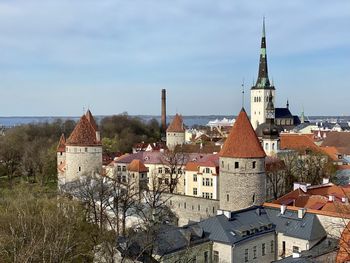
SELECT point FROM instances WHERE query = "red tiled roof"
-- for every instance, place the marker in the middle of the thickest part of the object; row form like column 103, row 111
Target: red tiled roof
column 242, row 141
column 337, row 139
column 316, row 198
column 83, row 134
column 298, row 142
column 62, row 144
column 343, row 254
column 137, row 166
column 91, row 120
column 176, row 125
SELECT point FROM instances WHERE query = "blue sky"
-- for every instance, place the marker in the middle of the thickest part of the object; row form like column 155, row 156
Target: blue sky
column 59, row 56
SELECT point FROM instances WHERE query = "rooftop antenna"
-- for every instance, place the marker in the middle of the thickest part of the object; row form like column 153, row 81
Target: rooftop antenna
column 243, row 93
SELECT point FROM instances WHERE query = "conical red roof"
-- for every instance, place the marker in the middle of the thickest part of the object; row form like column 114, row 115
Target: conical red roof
column 91, row 120
column 242, row 141
column 176, row 125
column 62, row 144
column 83, row 134
column 137, row 166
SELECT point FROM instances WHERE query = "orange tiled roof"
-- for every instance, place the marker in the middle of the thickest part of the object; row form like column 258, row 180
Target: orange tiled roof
column 91, row 119
column 343, row 254
column 137, row 166
column 298, row 142
column 332, row 152
column 83, row 134
column 62, row 144
column 192, row 166
column 176, row 125
column 316, row 198
column 242, row 141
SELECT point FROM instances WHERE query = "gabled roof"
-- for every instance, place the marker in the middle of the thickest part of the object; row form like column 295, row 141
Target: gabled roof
column 234, row 230
column 242, row 141
column 298, row 142
column 282, row 113
column 137, row 166
column 83, row 134
column 176, row 125
column 62, row 144
column 91, row 120
column 307, row 228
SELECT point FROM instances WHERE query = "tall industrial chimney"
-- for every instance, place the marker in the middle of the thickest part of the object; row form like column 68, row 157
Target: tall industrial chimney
column 163, row 120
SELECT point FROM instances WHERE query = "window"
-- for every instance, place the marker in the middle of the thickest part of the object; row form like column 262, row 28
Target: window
column 119, row 168
column 166, row 180
column 185, row 205
column 160, row 181
column 124, row 168
column 86, row 149
column 160, row 170
column 167, row 170
column 79, row 169
column 236, row 165
column 206, row 257
column 272, row 244
column 263, row 250
column 228, row 198
column 207, row 170
column 254, row 165
column 295, row 249
column 199, row 208
column 211, row 182
column 194, row 178
column 246, row 255
column 216, row 257
column 222, row 164
column 254, row 252
column 194, row 191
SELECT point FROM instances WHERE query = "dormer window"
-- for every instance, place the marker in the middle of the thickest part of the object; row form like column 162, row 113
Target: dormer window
column 236, row 165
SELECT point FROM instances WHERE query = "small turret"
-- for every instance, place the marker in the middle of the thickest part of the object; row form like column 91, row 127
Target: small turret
column 175, row 134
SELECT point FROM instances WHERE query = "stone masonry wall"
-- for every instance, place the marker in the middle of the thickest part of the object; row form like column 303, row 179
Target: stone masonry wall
column 190, row 208
column 242, row 187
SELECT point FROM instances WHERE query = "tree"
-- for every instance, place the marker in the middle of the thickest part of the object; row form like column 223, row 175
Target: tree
column 173, row 161
column 37, row 228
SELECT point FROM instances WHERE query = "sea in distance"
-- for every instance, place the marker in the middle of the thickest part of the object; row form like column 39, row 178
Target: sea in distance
column 189, row 121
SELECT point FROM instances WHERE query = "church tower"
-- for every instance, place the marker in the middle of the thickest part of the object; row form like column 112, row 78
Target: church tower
column 261, row 90
column 83, row 151
column 271, row 140
column 242, row 168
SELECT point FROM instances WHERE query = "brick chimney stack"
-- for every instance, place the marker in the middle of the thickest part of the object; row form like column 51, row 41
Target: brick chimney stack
column 163, row 118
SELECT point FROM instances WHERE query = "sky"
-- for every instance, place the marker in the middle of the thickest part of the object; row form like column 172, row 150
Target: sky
column 58, row 57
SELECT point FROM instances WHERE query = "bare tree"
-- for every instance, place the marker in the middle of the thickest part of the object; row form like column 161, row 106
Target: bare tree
column 173, row 162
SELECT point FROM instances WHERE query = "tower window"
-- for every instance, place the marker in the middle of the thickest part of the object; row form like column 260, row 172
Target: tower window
column 228, row 198
column 236, row 165
column 79, row 168
column 222, row 164
column 86, row 149
column 254, row 165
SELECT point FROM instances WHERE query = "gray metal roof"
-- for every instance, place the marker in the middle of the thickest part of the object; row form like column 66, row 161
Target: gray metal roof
column 307, row 228
column 234, row 230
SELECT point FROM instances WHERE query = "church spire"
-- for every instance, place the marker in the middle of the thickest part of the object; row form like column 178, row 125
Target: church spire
column 263, row 81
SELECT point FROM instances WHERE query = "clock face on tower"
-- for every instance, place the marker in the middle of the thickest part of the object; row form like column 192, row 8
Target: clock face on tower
column 270, row 114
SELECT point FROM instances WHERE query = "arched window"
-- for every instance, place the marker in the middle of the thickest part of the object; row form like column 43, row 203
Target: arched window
column 266, row 146
column 273, row 146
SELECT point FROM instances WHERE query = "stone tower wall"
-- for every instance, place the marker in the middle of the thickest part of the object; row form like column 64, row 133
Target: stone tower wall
column 241, row 187
column 61, row 157
column 174, row 138
column 258, row 108
column 82, row 161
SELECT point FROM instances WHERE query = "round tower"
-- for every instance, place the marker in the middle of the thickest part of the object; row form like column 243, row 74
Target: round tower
column 83, row 150
column 175, row 134
column 242, row 168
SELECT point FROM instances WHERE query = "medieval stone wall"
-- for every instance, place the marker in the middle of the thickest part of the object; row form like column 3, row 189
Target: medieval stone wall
column 244, row 186
column 175, row 138
column 190, row 208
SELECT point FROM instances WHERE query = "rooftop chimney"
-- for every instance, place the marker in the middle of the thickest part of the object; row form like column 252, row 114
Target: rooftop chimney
column 283, row 209
column 301, row 213
column 163, row 118
column 331, row 198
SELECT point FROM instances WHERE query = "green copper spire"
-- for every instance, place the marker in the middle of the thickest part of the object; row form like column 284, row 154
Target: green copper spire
column 263, row 81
